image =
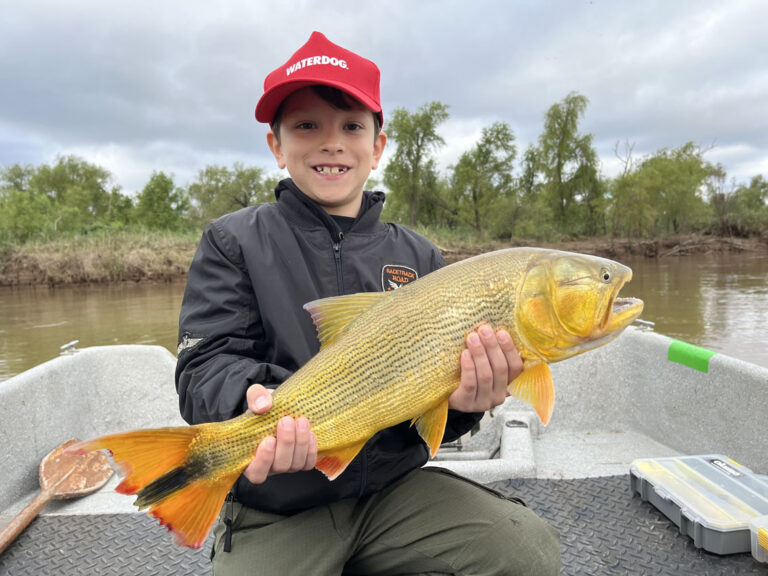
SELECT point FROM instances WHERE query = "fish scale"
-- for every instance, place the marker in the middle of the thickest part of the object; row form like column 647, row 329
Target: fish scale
column 386, row 358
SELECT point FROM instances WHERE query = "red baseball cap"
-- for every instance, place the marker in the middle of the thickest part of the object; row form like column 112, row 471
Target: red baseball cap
column 320, row 61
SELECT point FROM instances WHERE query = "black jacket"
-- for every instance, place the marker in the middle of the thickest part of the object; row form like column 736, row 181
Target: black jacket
column 242, row 323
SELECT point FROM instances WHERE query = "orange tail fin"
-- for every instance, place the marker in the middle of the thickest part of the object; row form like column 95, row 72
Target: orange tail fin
column 154, row 466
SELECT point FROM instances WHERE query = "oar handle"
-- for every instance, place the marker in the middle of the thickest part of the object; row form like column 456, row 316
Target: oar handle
column 23, row 518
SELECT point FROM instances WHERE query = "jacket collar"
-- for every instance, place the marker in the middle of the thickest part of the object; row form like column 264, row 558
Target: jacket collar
column 301, row 209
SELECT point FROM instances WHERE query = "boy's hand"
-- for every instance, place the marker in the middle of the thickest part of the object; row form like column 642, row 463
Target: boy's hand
column 490, row 362
column 294, row 449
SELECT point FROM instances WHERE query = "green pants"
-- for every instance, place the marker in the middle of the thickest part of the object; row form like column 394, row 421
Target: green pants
column 429, row 522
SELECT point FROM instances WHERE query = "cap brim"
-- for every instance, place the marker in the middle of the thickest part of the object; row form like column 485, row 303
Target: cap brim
column 270, row 101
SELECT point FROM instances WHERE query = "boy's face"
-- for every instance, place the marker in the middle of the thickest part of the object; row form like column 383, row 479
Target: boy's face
column 329, row 153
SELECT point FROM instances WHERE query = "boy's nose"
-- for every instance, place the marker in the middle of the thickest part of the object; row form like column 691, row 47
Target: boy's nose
column 332, row 140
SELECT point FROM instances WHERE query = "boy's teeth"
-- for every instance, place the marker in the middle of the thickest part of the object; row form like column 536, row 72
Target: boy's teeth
column 329, row 169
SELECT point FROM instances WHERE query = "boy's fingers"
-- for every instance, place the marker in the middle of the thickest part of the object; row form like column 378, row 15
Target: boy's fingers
column 499, row 365
column 259, row 398
column 294, row 449
column 301, row 446
column 488, row 365
column 483, row 368
column 286, row 442
column 258, row 469
column 514, row 361
column 464, row 395
column 312, row 452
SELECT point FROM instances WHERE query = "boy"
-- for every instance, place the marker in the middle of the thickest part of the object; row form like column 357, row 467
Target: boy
column 243, row 331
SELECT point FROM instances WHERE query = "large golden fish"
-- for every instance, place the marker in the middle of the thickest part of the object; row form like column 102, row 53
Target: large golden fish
column 386, row 358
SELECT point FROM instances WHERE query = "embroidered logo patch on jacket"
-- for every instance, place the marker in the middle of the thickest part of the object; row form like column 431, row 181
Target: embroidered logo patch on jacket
column 393, row 276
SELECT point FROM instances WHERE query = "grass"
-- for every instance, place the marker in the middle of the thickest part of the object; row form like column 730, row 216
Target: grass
column 100, row 257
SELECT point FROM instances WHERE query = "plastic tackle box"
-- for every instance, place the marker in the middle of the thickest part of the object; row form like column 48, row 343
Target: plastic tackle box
column 759, row 530
column 711, row 498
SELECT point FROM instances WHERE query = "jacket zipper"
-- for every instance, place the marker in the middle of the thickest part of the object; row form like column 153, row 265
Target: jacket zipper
column 340, row 283
column 337, row 257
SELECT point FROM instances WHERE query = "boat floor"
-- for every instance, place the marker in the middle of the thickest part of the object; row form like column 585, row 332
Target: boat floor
column 605, row 529
column 581, row 486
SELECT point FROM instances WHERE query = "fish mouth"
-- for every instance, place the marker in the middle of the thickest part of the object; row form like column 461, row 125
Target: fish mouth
column 622, row 312
column 622, row 305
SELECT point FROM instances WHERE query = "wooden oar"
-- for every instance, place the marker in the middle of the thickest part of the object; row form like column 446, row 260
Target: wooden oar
column 62, row 477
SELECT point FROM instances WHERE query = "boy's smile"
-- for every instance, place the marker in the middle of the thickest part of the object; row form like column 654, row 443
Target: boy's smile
column 328, row 152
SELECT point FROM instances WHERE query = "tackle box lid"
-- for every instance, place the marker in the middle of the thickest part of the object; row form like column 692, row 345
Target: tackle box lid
column 711, row 498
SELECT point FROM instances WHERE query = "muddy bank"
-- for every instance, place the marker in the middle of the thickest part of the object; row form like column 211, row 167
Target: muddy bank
column 617, row 249
column 113, row 260
column 168, row 259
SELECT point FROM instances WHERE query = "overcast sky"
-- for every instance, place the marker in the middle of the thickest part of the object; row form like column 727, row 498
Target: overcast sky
column 169, row 85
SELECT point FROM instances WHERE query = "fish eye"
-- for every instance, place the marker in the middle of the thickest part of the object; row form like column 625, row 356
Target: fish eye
column 605, row 275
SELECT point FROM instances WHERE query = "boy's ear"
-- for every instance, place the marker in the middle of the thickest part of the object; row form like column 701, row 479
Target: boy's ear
column 274, row 144
column 378, row 149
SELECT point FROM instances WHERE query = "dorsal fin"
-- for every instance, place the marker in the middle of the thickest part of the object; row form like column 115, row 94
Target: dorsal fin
column 331, row 315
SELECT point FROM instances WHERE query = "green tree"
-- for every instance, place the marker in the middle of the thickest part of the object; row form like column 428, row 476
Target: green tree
column 632, row 214
column 530, row 186
column 411, row 175
column 437, row 210
column 674, row 181
column 121, row 210
column 219, row 190
column 533, row 216
column 664, row 193
column 569, row 165
column 80, row 192
column 483, row 176
column 25, row 213
column 15, row 177
column 161, row 205
column 70, row 196
column 744, row 210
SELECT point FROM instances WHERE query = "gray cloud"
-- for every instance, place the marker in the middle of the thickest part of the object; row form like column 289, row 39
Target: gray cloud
column 171, row 86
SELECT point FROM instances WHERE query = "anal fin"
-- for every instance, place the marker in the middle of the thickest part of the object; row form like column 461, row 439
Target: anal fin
column 333, row 462
column 534, row 385
column 431, row 426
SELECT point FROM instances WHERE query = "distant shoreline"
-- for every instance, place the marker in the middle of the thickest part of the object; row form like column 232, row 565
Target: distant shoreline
column 166, row 258
column 617, row 249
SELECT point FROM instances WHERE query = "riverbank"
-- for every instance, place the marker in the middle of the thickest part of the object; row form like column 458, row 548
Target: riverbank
column 617, row 249
column 116, row 257
column 161, row 257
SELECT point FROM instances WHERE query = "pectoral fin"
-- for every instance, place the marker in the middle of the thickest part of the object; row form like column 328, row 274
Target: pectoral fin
column 333, row 462
column 431, row 426
column 535, row 386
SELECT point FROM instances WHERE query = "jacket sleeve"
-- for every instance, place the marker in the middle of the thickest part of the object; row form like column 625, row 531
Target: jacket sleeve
column 222, row 347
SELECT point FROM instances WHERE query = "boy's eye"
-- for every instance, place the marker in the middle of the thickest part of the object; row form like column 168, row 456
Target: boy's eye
column 305, row 125
column 354, row 126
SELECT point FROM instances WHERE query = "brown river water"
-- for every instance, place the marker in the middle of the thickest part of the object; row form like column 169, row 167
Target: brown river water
column 718, row 302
